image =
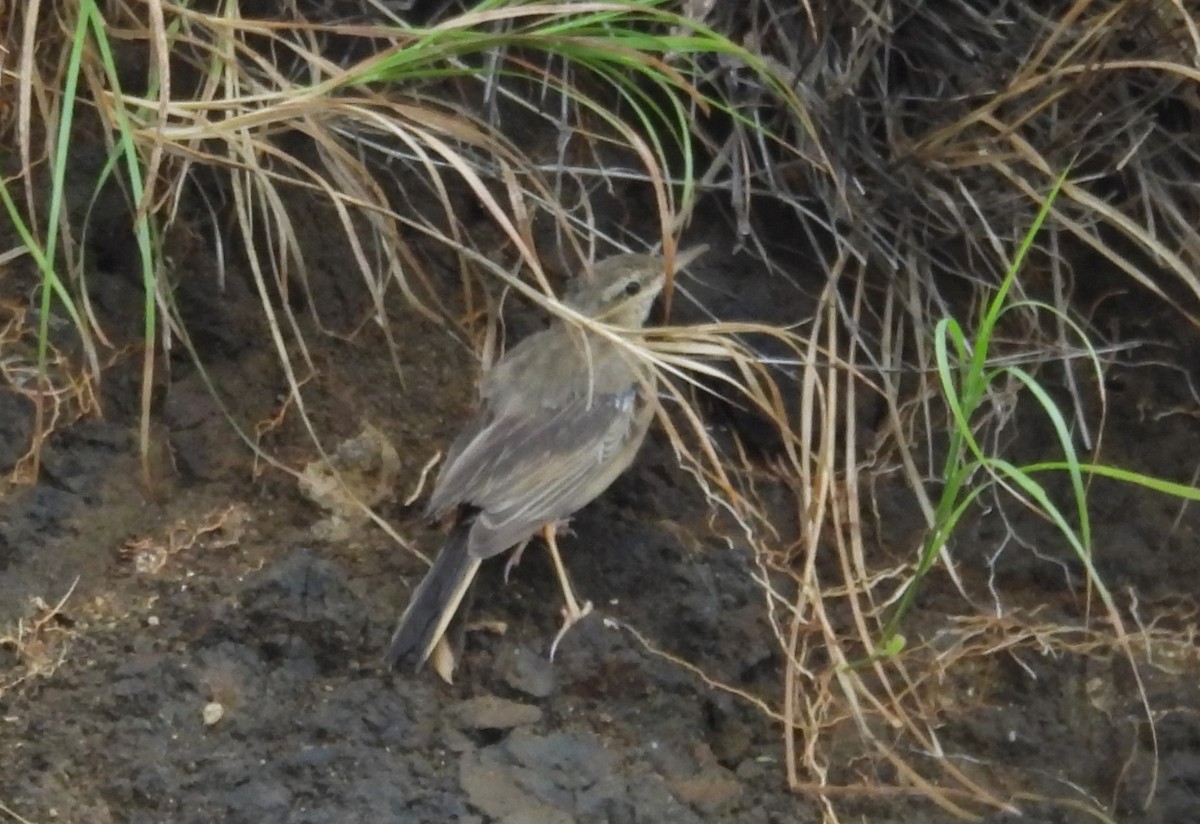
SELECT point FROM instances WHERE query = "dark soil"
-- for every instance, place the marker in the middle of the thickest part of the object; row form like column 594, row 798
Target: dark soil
column 216, row 655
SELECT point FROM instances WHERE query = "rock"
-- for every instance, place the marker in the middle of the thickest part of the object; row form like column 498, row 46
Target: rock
column 360, row 473
column 494, row 789
column 526, row 671
column 489, row 712
column 708, row 792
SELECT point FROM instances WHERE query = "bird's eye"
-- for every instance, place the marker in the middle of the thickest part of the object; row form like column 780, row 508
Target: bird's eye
column 632, row 288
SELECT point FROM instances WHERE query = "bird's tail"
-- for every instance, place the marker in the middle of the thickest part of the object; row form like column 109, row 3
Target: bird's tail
column 435, row 600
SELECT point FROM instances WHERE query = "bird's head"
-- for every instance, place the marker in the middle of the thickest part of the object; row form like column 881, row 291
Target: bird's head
column 621, row 289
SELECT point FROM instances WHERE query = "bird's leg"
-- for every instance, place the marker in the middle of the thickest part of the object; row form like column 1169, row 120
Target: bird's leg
column 572, row 613
column 562, row 527
column 514, row 559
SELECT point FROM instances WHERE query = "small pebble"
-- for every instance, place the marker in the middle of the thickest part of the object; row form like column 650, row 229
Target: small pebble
column 213, row 712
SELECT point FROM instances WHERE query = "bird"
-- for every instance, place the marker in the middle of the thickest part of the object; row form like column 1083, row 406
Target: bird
column 561, row 415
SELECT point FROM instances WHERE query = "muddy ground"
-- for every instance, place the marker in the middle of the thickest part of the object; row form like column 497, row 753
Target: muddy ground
column 215, row 650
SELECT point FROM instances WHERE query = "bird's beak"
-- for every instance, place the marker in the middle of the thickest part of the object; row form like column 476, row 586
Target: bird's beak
column 688, row 255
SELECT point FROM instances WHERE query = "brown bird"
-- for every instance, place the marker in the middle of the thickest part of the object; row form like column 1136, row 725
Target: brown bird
column 563, row 414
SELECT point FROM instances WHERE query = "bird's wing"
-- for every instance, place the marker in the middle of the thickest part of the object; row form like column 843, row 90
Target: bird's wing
column 521, row 471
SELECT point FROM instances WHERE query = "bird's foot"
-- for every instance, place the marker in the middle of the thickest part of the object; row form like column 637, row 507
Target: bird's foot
column 572, row 614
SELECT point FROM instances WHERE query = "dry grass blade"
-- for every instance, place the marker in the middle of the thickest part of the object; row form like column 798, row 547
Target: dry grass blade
column 945, row 125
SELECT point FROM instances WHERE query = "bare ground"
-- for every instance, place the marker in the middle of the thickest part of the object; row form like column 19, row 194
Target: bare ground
column 216, row 652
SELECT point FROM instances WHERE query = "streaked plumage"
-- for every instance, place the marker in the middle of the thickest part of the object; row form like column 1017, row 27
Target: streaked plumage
column 562, row 414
